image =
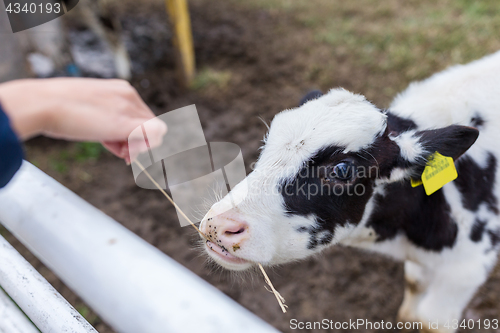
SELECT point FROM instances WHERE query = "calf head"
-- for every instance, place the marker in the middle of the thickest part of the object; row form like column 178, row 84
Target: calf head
column 315, row 179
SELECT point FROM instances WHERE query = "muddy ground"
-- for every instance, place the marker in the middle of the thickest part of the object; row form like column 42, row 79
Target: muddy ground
column 271, row 61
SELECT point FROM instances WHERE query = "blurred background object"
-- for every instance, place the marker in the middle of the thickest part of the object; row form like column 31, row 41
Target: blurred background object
column 11, row 60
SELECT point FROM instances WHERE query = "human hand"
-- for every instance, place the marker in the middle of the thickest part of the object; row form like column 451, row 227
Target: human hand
column 81, row 110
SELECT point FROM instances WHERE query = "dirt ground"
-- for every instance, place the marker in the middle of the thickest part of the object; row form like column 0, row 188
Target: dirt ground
column 256, row 62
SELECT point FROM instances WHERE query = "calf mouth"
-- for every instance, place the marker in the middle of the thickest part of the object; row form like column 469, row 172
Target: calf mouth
column 226, row 259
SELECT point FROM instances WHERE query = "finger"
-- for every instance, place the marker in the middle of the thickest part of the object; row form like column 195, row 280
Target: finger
column 121, row 150
column 135, row 148
column 116, row 148
column 155, row 131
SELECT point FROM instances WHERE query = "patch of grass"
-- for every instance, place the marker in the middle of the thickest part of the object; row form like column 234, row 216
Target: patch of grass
column 405, row 40
column 86, row 313
column 85, row 151
column 59, row 165
column 209, row 77
column 79, row 152
column 479, row 9
column 3, row 231
column 414, row 35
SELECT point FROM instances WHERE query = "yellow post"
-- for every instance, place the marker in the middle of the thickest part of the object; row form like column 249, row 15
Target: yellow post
column 183, row 40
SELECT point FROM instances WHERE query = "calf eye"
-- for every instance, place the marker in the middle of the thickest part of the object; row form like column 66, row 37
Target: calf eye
column 344, row 171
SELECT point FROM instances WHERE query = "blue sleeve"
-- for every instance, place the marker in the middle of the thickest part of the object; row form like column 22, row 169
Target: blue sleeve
column 11, row 151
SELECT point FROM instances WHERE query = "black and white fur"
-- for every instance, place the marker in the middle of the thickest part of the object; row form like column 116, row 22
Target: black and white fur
column 448, row 240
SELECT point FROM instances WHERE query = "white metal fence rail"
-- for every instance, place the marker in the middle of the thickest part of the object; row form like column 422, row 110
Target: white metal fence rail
column 12, row 320
column 38, row 299
column 132, row 285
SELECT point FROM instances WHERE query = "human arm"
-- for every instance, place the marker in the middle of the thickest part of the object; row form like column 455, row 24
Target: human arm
column 75, row 109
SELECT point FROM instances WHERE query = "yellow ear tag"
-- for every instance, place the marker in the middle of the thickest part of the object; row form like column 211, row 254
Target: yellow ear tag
column 440, row 170
column 415, row 182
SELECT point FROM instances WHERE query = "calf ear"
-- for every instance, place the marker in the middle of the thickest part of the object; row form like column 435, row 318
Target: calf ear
column 450, row 141
column 416, row 147
column 314, row 94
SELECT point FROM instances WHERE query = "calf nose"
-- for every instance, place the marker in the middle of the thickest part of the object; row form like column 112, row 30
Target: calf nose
column 225, row 229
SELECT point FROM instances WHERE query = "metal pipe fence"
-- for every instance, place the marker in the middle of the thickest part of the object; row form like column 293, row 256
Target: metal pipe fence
column 131, row 285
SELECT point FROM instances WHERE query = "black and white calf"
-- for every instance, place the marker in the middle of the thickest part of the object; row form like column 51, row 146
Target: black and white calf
column 337, row 170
